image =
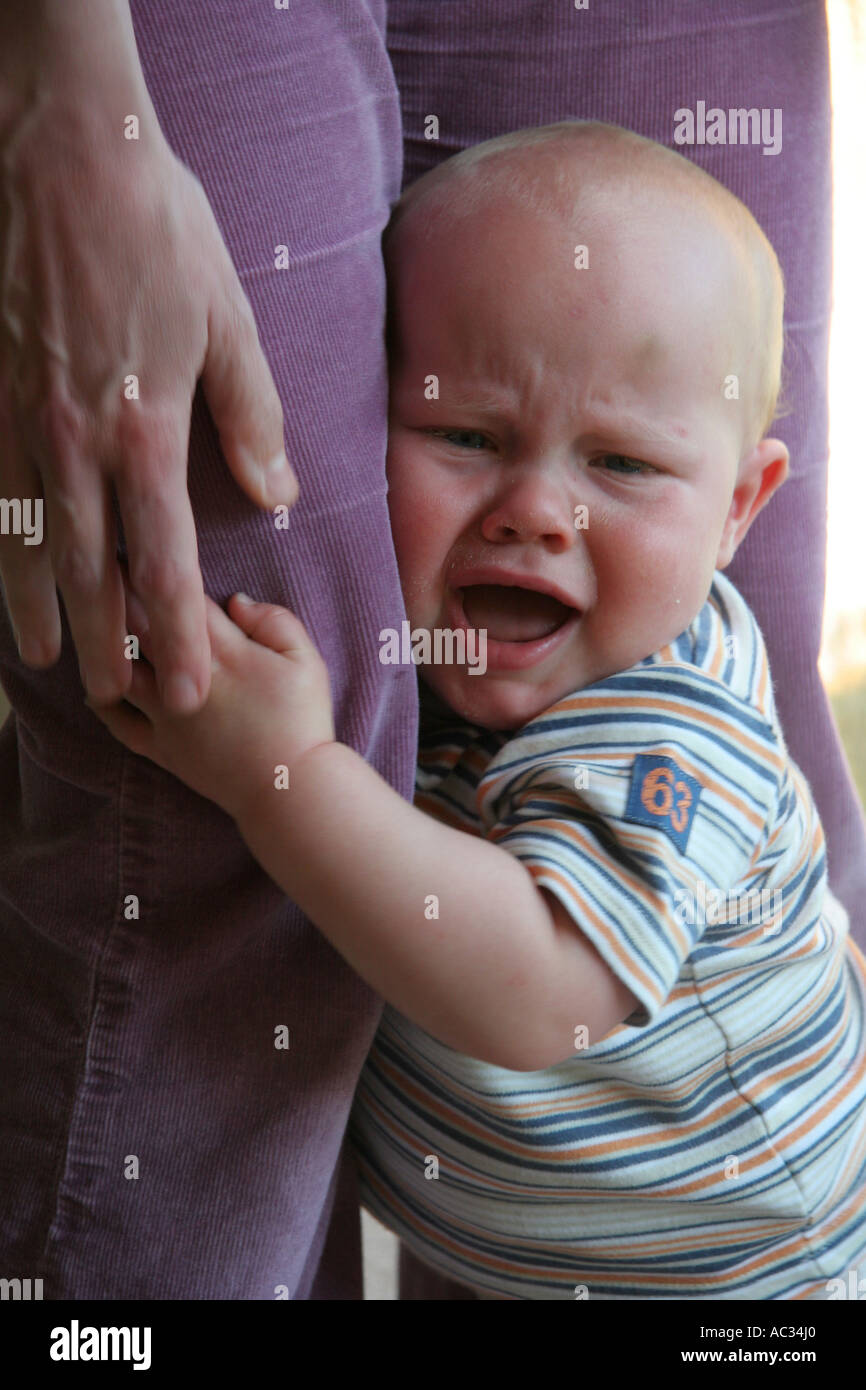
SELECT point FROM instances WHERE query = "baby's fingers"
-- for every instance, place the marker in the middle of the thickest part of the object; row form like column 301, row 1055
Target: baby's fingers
column 221, row 630
column 142, row 694
column 129, row 727
column 269, row 625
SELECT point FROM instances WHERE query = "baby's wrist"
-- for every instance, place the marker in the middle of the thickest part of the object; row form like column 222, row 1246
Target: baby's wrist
column 254, row 807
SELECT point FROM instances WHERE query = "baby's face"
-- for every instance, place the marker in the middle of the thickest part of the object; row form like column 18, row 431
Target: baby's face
column 561, row 389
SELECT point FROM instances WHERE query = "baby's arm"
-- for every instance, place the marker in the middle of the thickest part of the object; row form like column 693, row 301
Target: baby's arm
column 502, row 974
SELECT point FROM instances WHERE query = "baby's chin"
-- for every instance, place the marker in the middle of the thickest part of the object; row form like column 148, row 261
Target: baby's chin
column 494, row 702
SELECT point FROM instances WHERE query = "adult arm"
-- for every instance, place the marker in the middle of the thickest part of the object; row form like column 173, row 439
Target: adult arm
column 116, row 294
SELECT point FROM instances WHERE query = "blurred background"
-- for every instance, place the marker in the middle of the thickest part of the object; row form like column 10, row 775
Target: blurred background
column 843, row 652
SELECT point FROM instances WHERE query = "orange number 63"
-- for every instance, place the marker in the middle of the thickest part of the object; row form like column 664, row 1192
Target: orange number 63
column 657, row 796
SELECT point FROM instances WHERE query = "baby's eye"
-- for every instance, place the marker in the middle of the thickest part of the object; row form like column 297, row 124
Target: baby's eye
column 623, row 464
column 464, row 439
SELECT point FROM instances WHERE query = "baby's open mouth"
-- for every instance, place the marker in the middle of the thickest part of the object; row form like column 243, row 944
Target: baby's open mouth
column 512, row 614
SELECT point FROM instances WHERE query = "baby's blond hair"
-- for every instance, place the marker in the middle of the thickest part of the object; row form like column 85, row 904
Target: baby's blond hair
column 586, row 155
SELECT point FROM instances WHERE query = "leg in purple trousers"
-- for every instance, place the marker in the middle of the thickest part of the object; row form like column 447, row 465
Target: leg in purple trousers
column 484, row 67
column 155, row 1142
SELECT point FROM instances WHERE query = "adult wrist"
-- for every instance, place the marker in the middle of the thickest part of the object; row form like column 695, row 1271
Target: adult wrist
column 50, row 48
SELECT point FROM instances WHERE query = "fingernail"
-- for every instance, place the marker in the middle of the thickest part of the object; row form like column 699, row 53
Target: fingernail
column 278, row 480
column 243, row 598
column 30, row 650
column 278, row 464
column 180, row 694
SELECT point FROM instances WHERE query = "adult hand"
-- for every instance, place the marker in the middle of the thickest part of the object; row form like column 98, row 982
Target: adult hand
column 117, row 294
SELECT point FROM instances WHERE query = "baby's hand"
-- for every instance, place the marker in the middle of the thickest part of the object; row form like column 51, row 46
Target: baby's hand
column 269, row 702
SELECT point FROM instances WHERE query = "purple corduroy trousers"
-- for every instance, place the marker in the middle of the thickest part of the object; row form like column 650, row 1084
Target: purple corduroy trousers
column 153, row 1036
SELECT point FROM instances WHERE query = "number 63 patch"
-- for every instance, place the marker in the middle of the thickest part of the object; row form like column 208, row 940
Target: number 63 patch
column 662, row 795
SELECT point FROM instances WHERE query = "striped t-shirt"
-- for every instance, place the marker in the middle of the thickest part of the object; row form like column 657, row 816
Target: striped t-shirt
column 713, row 1145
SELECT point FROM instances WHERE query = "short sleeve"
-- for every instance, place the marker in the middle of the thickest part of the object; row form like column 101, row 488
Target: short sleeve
column 632, row 802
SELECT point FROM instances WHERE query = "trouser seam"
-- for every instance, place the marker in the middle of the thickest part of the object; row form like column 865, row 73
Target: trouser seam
column 84, row 1071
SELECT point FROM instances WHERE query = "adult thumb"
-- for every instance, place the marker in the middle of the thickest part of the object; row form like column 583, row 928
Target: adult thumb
column 245, row 406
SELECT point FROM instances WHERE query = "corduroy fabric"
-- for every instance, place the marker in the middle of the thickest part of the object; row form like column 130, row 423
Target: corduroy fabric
column 153, row 1037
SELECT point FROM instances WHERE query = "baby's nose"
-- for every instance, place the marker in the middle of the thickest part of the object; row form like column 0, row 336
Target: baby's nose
column 532, row 508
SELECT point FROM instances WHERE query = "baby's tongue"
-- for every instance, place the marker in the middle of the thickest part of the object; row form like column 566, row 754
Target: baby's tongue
column 511, row 614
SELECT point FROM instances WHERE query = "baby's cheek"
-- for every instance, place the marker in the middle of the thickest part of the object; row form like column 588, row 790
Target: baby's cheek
column 632, row 558
column 675, row 553
column 419, row 563
column 690, row 574
column 651, row 583
column 407, row 506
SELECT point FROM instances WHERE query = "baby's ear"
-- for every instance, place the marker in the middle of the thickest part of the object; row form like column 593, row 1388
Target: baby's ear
column 760, row 474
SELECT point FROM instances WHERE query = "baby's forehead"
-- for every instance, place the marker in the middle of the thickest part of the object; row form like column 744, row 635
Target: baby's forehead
column 587, row 196
column 642, row 248
column 554, row 174
column 592, row 179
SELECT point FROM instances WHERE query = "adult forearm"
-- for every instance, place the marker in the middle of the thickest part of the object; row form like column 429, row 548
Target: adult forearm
column 445, row 925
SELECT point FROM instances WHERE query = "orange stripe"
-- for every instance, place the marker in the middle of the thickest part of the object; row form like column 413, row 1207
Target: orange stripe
column 797, row 1244
column 671, row 750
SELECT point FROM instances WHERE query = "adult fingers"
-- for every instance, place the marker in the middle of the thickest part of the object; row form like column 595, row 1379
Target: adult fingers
column 163, row 557
column 130, row 728
column 137, row 623
column 82, row 546
column 143, row 694
column 243, row 400
column 223, row 633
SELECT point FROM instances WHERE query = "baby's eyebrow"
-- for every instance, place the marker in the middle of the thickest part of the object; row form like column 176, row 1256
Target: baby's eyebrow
column 620, row 422
column 492, row 402
column 602, row 425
